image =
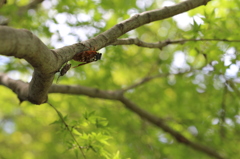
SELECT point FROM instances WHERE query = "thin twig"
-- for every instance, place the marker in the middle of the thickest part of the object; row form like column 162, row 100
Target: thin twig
column 161, row 44
column 149, row 78
column 66, row 125
column 144, row 80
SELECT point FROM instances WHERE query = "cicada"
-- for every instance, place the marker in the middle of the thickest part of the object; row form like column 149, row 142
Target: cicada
column 86, row 57
column 64, row 70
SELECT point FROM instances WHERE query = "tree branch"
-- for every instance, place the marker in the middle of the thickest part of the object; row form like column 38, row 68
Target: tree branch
column 109, row 36
column 160, row 123
column 113, row 95
column 23, row 44
column 138, row 20
column 138, row 42
column 82, row 90
column 145, row 80
column 149, row 78
column 161, row 44
column 17, row 86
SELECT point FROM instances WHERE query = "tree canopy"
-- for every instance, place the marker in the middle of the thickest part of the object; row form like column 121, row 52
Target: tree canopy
column 166, row 86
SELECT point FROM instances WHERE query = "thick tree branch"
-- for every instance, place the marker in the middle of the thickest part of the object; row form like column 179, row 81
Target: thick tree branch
column 17, row 86
column 23, row 44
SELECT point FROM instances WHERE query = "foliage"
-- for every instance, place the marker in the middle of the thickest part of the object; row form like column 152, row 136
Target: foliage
column 198, row 99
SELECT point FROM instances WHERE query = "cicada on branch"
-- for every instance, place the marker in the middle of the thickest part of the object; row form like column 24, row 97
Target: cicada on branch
column 87, row 57
column 84, row 57
column 64, row 70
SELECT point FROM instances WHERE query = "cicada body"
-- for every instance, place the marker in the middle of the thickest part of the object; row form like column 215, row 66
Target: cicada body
column 87, row 57
column 64, row 70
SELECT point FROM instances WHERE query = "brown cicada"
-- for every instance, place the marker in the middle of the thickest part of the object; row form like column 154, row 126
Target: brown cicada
column 87, row 57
